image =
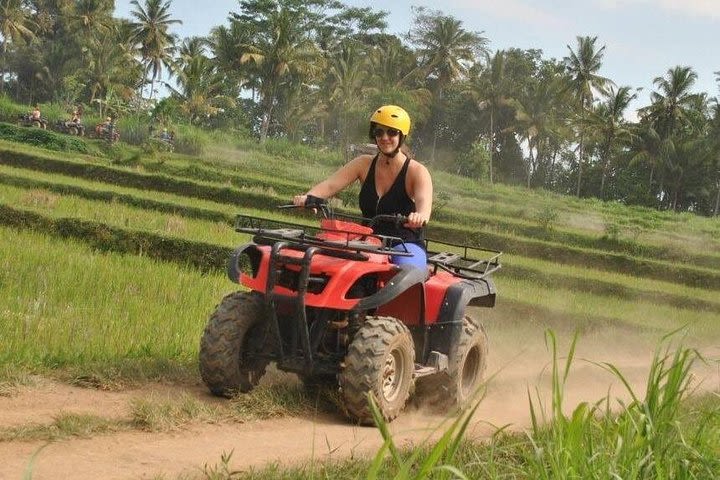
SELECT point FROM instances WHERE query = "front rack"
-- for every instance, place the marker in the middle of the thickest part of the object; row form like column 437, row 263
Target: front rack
column 266, row 231
column 472, row 263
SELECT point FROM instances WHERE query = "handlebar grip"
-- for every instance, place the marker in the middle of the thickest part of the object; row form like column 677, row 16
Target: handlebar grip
column 313, row 201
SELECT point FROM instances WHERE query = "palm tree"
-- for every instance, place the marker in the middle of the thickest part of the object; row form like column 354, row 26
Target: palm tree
column 157, row 45
column 537, row 120
column 583, row 65
column 647, row 147
column 446, row 52
column 111, row 65
column 346, row 84
column 225, row 46
column 671, row 115
column 200, row 85
column 610, row 127
column 284, row 48
column 91, row 18
column 15, row 25
column 490, row 92
column 672, row 101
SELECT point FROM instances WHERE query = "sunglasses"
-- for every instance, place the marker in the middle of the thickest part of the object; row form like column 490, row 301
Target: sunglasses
column 391, row 132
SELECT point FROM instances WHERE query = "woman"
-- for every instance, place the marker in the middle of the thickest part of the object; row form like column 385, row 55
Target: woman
column 392, row 183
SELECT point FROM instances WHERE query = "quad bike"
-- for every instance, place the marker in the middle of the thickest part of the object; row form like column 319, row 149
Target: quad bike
column 109, row 133
column 71, row 128
column 27, row 120
column 327, row 304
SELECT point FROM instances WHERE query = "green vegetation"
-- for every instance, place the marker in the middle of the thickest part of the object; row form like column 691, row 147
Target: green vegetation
column 112, row 259
column 661, row 435
column 112, row 255
column 291, row 71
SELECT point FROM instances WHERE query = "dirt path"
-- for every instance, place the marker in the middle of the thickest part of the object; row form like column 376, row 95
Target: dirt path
column 518, row 364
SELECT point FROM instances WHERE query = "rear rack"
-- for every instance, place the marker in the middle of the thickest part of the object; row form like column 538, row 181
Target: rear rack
column 299, row 236
column 460, row 264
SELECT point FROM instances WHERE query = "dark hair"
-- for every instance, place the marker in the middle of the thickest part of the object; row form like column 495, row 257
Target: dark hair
column 404, row 148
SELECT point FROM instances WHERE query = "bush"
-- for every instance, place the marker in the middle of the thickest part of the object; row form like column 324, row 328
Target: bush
column 191, row 140
column 45, row 139
column 546, row 218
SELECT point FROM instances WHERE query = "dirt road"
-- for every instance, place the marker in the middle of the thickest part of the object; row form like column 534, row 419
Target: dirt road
column 519, row 363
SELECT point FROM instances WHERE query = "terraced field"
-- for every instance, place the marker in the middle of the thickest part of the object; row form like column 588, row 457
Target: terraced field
column 109, row 270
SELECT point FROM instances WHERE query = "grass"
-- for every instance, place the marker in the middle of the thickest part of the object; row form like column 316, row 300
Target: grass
column 119, row 215
column 660, row 433
column 63, row 305
column 103, row 320
column 65, row 425
column 281, row 396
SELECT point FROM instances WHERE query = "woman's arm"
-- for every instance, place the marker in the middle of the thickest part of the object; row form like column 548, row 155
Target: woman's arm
column 344, row 176
column 422, row 193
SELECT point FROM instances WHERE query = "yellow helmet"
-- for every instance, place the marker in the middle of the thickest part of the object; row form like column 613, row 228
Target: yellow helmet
column 392, row 116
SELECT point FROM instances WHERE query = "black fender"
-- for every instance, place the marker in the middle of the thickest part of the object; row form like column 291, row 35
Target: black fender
column 246, row 258
column 407, row 277
column 446, row 331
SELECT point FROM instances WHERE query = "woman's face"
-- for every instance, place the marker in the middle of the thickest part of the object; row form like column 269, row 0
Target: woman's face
column 387, row 138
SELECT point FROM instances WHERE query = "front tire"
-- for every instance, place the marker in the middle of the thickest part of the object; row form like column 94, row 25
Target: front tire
column 381, row 361
column 234, row 332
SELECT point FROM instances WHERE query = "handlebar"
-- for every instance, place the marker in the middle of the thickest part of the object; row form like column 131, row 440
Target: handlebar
column 311, row 201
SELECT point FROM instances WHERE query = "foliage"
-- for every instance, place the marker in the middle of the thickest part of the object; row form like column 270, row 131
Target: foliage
column 44, row 138
column 546, row 218
column 644, row 440
column 309, row 73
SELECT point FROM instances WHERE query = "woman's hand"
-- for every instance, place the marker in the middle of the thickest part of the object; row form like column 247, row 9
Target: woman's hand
column 299, row 200
column 416, row 220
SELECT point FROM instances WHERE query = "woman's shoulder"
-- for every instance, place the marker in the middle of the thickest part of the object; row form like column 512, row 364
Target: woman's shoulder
column 416, row 166
column 362, row 161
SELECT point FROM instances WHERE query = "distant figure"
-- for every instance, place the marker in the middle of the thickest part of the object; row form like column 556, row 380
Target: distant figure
column 75, row 119
column 36, row 116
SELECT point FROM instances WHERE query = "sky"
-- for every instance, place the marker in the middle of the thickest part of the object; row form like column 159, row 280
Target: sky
column 643, row 39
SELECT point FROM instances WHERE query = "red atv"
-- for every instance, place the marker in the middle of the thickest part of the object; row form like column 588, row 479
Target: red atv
column 328, row 305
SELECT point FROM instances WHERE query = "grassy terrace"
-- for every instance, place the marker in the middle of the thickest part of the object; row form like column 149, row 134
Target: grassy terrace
column 632, row 226
column 63, row 305
column 522, row 245
column 175, row 221
column 181, row 209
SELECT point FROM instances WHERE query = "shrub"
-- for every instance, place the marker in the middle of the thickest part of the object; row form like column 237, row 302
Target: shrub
column 546, row 218
column 45, row 139
column 191, row 141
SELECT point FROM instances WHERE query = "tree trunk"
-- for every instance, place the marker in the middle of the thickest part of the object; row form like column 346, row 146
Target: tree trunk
column 492, row 145
column 530, row 164
column 717, row 202
column 580, row 164
column 652, row 173
column 2, row 69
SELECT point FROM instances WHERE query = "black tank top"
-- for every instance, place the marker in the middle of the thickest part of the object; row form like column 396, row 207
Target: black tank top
column 395, row 200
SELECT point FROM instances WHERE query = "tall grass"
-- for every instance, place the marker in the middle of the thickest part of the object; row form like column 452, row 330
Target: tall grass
column 65, row 306
column 644, row 440
column 663, row 434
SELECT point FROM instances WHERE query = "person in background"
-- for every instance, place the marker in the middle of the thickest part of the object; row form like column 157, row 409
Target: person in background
column 392, row 183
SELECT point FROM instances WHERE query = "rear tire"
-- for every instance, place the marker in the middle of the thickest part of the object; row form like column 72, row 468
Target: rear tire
column 234, row 331
column 467, row 361
column 381, row 360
